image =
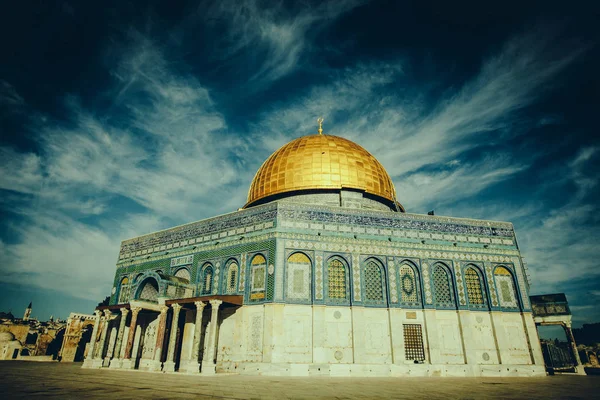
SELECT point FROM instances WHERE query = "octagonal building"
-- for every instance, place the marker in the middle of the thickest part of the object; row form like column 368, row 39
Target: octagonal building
column 322, row 272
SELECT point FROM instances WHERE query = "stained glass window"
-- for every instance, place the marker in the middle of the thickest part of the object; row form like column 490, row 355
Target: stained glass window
column 408, row 285
column 474, row 289
column 373, row 282
column 298, row 276
column 413, row 342
column 336, row 275
column 207, row 281
column 232, row 274
column 506, row 287
column 441, row 285
column 124, row 291
column 259, row 270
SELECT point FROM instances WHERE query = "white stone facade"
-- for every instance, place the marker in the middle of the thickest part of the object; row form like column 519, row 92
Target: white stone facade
column 300, row 340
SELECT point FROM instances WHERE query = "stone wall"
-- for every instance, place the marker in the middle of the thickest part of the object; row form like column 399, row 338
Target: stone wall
column 279, row 339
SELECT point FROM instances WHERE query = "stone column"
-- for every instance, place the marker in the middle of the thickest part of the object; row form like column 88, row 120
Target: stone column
column 87, row 363
column 116, row 360
column 192, row 366
column 208, row 361
column 170, row 363
column 130, row 338
column 578, row 368
column 100, row 351
column 160, row 337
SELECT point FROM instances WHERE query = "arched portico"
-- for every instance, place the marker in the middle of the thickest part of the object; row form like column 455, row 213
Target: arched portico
column 553, row 309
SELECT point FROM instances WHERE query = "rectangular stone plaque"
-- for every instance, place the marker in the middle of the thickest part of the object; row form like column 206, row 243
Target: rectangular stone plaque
column 411, row 315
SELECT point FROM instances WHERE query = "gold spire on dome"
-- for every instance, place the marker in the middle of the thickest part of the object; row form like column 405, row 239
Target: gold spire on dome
column 321, row 162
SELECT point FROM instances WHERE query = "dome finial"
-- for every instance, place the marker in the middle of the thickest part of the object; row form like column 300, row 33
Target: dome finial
column 320, row 121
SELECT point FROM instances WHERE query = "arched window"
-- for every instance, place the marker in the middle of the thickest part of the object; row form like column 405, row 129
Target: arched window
column 124, row 291
column 232, row 276
column 442, row 287
column 374, row 288
column 337, row 282
column 259, row 270
column 207, row 279
column 149, row 290
column 409, row 287
column 183, row 273
column 298, row 277
column 505, row 285
column 474, row 287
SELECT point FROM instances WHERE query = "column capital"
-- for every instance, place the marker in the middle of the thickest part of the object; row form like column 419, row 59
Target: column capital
column 135, row 310
column 107, row 314
column 98, row 313
column 215, row 303
column 124, row 311
column 164, row 309
column 200, row 305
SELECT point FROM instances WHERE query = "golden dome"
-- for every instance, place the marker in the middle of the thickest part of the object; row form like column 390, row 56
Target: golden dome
column 321, row 162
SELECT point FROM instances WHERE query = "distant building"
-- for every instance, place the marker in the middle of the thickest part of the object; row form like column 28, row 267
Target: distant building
column 27, row 313
column 588, row 334
column 28, row 338
column 77, row 337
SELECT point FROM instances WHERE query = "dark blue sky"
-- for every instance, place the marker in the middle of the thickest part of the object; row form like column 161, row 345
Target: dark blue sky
column 124, row 118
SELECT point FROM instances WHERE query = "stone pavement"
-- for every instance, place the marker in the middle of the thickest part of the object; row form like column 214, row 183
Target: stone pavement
column 20, row 379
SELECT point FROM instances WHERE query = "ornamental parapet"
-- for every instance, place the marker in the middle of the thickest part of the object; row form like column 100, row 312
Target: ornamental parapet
column 284, row 217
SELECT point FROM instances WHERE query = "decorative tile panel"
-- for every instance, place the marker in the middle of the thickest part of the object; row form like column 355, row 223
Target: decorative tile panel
column 397, row 220
column 216, row 280
column 209, row 229
column 279, row 269
column 242, row 283
column 489, row 275
column 522, row 282
column 319, row 277
column 392, row 280
column 459, row 283
column 356, row 276
column 185, row 260
column 412, row 250
column 426, row 283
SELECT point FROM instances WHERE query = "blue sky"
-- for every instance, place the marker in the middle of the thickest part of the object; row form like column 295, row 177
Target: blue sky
column 125, row 118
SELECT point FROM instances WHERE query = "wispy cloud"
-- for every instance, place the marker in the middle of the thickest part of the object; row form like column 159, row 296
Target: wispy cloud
column 164, row 147
column 560, row 244
column 277, row 36
column 9, row 96
column 377, row 106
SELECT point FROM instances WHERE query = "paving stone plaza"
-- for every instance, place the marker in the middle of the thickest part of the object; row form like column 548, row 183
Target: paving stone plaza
column 25, row 380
